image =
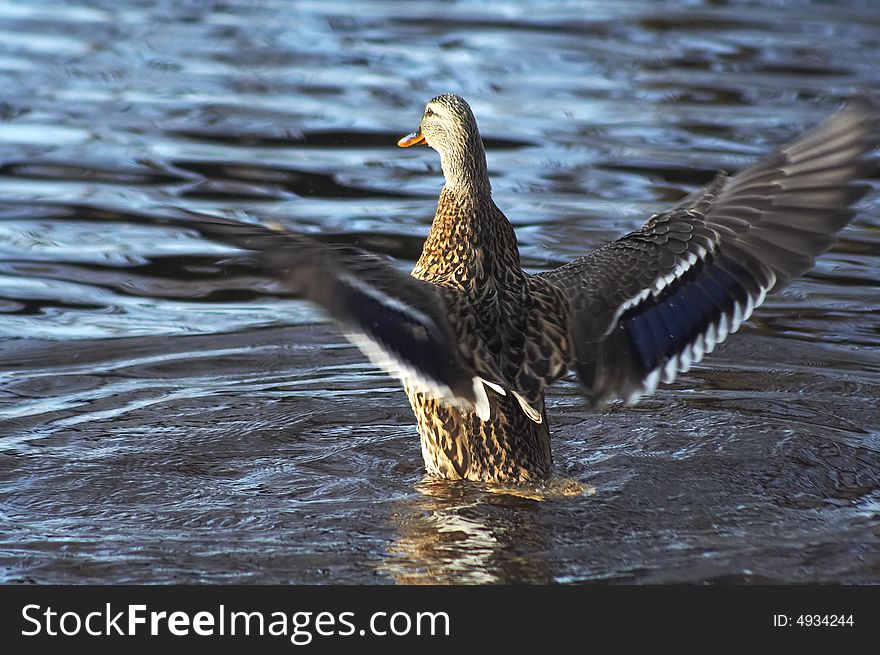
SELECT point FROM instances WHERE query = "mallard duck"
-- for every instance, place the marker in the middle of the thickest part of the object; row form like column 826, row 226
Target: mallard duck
column 476, row 341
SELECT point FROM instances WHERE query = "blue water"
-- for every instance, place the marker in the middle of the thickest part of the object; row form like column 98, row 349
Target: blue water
column 167, row 415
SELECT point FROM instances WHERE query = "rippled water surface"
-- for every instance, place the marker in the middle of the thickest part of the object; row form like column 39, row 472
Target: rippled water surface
column 167, row 416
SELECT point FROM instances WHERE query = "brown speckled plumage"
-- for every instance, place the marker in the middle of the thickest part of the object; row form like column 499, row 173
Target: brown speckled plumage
column 476, row 341
column 512, row 327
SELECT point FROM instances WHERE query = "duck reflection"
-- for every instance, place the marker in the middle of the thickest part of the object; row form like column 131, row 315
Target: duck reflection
column 469, row 533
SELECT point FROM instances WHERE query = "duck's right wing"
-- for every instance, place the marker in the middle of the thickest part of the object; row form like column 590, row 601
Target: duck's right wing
column 401, row 323
column 655, row 301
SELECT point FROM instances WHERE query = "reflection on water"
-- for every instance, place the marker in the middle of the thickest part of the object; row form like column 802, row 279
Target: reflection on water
column 464, row 533
column 447, row 542
column 168, row 414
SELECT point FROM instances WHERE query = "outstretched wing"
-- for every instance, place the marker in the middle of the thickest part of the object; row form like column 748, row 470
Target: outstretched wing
column 399, row 322
column 655, row 301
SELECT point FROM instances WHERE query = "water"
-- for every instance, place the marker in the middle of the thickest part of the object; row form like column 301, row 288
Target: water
column 166, row 415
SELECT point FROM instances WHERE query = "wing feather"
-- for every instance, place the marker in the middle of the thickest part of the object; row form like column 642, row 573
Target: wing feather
column 399, row 322
column 656, row 301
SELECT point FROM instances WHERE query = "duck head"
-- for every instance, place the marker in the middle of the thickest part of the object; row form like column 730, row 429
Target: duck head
column 449, row 127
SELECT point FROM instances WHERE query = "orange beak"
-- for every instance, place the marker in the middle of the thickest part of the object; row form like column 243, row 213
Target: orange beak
column 412, row 139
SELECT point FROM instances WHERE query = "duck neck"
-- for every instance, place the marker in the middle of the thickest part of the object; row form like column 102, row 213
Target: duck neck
column 471, row 245
column 465, row 170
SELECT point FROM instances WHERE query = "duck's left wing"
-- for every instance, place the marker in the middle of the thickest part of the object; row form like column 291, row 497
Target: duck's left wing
column 399, row 322
column 652, row 303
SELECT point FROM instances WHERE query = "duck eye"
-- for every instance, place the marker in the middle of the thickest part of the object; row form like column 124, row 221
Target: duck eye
column 429, row 112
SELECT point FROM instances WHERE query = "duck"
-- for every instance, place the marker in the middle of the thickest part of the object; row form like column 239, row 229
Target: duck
column 476, row 341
